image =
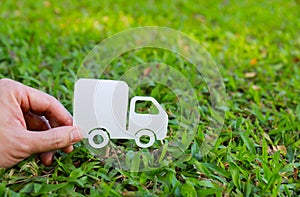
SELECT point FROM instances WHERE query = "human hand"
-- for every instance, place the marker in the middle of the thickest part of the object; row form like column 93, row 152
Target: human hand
column 23, row 112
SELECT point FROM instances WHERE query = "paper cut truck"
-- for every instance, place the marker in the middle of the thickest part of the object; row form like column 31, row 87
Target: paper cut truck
column 100, row 108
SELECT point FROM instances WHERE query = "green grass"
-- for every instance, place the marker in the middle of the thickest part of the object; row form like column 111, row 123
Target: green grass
column 256, row 45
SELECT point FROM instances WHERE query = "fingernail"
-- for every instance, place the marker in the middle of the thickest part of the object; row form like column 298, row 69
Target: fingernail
column 75, row 135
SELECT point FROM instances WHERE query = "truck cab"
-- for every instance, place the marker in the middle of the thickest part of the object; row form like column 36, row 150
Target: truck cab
column 100, row 108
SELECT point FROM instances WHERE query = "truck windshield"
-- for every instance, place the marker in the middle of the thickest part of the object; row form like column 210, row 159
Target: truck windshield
column 145, row 107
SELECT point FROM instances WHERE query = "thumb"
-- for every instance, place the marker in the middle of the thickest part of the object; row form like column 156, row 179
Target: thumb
column 53, row 139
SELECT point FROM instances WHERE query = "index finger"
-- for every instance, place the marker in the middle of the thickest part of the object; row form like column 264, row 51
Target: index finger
column 41, row 103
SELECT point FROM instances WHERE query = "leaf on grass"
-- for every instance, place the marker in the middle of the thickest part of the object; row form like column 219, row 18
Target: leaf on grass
column 217, row 170
column 210, row 192
column 235, row 174
column 135, row 164
column 206, row 183
column 255, row 87
column 249, row 144
column 77, row 173
column 143, row 178
column 253, row 61
column 147, row 71
column 274, row 178
column 188, row 189
column 201, row 167
column 31, row 188
column 298, row 112
column 82, row 181
column 184, row 157
column 280, row 148
column 51, row 188
column 250, row 74
column 296, row 59
column 163, row 152
column 296, row 171
column 249, row 188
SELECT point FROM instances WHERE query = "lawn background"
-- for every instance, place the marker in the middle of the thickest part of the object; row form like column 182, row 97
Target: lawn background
column 256, row 45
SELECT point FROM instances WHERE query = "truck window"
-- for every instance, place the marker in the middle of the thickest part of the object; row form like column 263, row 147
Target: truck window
column 145, row 107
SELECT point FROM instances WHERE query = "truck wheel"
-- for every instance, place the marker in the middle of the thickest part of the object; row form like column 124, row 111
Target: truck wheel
column 146, row 133
column 100, row 135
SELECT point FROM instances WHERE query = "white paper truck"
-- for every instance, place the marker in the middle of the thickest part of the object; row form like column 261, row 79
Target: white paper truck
column 100, row 108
